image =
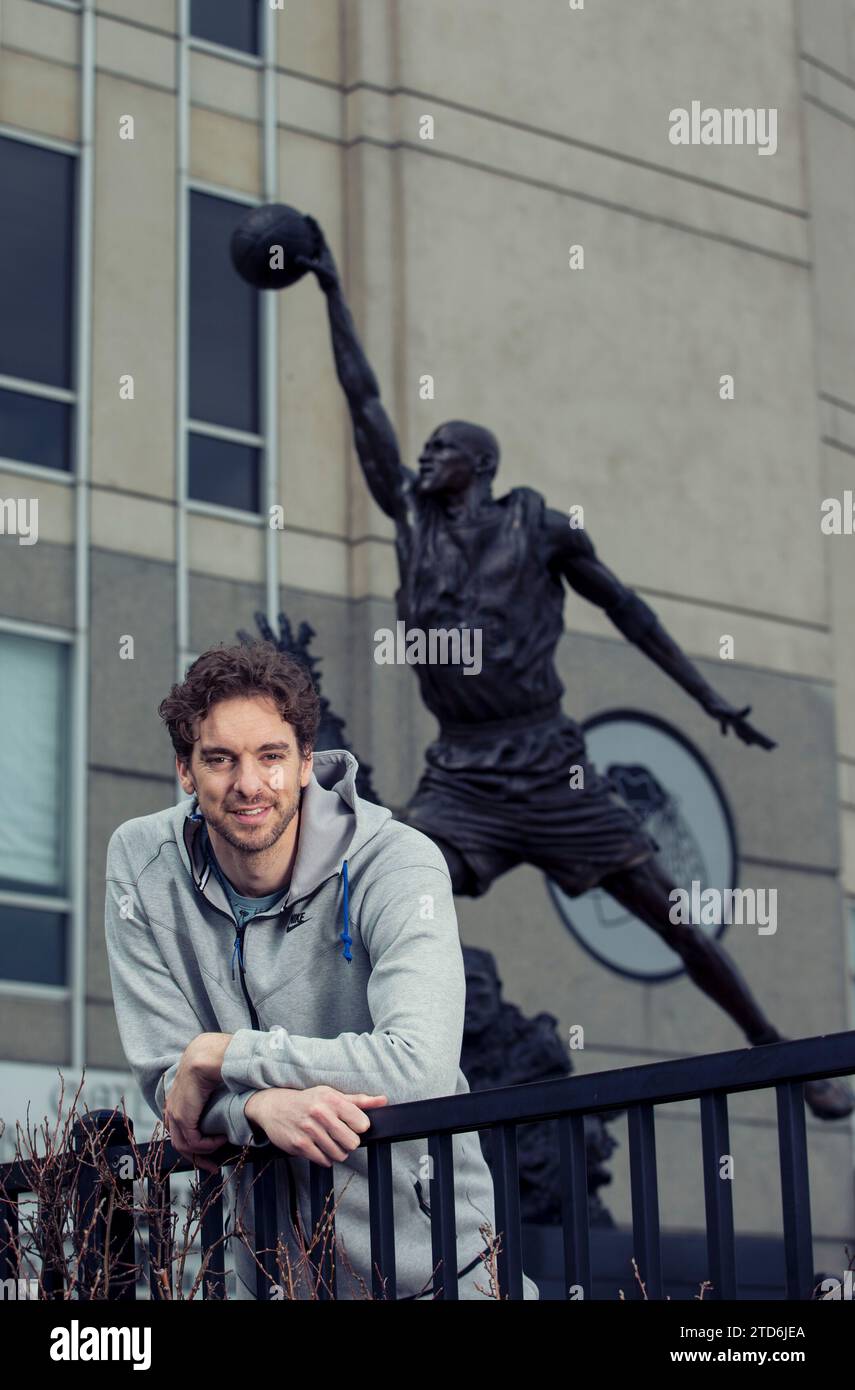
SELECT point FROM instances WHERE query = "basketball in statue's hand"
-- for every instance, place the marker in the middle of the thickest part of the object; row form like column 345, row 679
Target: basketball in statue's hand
column 266, row 242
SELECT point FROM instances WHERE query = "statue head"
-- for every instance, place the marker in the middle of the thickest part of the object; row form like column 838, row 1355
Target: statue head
column 457, row 455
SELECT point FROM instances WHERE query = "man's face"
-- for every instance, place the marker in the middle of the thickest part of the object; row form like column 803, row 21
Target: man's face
column 444, row 464
column 247, row 772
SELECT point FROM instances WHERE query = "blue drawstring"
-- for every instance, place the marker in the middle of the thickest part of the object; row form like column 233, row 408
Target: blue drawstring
column 345, row 934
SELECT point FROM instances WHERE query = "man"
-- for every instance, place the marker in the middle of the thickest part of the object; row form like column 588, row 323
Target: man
column 285, row 959
column 497, row 790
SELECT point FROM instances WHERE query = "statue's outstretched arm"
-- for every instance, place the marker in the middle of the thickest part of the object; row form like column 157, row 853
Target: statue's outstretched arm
column 373, row 432
column 572, row 553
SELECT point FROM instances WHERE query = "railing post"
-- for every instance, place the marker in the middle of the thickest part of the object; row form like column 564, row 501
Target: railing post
column 795, row 1189
column 322, row 1201
column 718, row 1196
column 213, row 1250
column 265, row 1226
column 574, row 1204
column 506, row 1183
column 103, row 1229
column 50, row 1227
column 9, row 1236
column 158, row 1192
column 645, row 1197
column 443, row 1224
column 381, row 1218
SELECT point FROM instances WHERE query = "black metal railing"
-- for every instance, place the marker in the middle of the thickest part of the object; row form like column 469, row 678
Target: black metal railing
column 710, row 1079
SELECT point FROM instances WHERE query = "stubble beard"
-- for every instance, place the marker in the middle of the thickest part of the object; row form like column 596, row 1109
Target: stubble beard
column 283, row 818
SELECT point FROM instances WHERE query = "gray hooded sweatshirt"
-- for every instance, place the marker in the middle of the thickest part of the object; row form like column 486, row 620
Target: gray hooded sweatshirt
column 352, row 979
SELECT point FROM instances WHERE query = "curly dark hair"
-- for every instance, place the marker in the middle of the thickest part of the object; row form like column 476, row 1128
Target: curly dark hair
column 252, row 668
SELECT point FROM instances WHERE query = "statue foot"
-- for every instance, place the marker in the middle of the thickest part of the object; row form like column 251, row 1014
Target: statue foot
column 829, row 1100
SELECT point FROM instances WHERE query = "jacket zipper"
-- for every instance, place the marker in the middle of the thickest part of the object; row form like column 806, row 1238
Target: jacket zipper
column 292, row 1194
column 460, row 1273
column 239, row 942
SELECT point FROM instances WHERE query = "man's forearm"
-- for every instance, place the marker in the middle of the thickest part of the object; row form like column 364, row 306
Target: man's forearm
column 204, row 1055
column 251, row 1110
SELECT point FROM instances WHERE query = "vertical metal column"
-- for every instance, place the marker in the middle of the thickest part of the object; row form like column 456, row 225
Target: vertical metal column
column 270, row 303
column 80, row 657
column 182, row 159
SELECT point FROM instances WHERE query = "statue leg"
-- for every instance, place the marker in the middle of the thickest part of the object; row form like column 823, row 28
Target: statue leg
column 645, row 891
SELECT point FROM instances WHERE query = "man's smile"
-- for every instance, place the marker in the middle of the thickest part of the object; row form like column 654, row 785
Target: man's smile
column 251, row 815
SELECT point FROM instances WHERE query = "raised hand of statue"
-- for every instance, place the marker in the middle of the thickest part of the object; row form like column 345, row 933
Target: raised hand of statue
column 729, row 717
column 322, row 264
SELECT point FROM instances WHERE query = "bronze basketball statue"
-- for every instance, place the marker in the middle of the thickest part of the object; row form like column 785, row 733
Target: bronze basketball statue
column 496, row 791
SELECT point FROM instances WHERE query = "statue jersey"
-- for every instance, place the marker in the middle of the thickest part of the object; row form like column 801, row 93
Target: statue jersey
column 495, row 784
column 491, row 584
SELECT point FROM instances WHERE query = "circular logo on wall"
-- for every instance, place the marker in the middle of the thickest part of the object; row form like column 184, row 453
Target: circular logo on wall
column 680, row 802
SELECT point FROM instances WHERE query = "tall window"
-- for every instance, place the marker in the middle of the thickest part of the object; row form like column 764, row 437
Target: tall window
column 224, row 447
column 33, row 809
column 232, row 23
column 36, row 304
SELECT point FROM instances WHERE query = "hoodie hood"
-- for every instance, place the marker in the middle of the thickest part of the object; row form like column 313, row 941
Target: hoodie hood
column 335, row 822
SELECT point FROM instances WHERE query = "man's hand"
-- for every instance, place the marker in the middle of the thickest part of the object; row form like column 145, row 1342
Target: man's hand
column 729, row 717
column 321, row 1123
column 322, row 263
column 197, row 1076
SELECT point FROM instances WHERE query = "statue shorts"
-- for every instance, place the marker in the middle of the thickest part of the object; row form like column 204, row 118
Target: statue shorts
column 521, row 791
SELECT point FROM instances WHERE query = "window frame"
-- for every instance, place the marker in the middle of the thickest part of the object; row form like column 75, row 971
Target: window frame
column 222, row 50
column 61, row 903
column 66, row 395
column 192, row 425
